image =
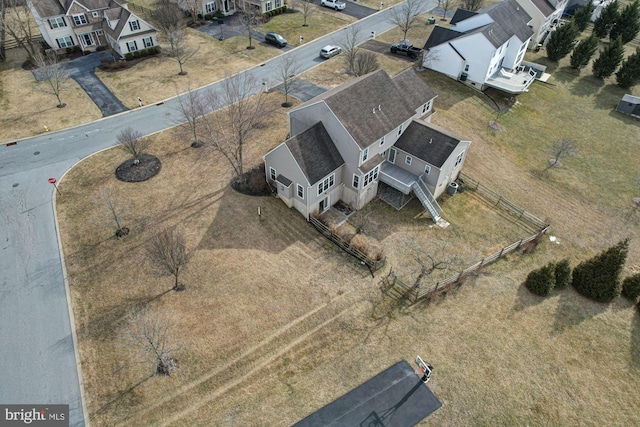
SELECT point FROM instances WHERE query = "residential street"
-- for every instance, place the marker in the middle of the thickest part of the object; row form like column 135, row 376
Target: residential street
column 37, row 347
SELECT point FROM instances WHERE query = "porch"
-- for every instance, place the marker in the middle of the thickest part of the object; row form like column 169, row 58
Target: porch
column 512, row 82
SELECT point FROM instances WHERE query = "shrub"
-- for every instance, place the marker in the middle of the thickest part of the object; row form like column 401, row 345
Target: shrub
column 631, row 287
column 542, row 280
column 128, row 56
column 563, row 274
column 598, row 278
column 101, row 48
column 137, row 54
column 209, row 17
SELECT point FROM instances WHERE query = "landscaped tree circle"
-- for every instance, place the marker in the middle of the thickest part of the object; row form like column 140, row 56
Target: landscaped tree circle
column 139, row 169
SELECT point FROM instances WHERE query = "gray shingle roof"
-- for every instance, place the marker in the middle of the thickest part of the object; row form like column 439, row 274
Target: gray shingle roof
column 46, row 8
column 441, row 35
column 428, row 142
column 414, row 91
column 369, row 107
column 544, row 7
column 461, row 15
column 315, row 153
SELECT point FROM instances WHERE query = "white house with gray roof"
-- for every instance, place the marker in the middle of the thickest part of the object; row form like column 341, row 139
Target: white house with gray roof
column 484, row 48
column 373, row 128
column 90, row 24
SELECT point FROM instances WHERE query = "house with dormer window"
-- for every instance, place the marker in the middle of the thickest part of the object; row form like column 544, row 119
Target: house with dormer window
column 484, row 48
column 90, row 24
column 372, row 129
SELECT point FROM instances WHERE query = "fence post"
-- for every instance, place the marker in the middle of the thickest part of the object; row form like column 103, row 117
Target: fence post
column 501, row 251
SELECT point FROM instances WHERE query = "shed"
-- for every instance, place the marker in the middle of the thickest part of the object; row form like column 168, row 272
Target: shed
column 630, row 105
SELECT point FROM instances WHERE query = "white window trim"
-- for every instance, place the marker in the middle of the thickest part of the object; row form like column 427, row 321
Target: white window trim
column 94, row 14
column 272, row 173
column 365, row 155
column 134, row 23
column 62, row 42
column 278, row 3
column 300, row 191
column 459, row 159
column 211, row 7
column 392, row 153
column 135, row 46
column 80, row 17
column 427, row 169
column 145, row 44
column 326, row 184
column 268, row 6
column 355, row 183
column 407, row 160
column 370, row 176
column 57, row 22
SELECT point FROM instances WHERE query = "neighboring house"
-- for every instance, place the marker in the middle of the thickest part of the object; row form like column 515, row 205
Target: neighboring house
column 545, row 16
column 484, row 48
column 90, row 24
column 208, row 7
column 630, row 105
column 262, row 6
column 373, row 128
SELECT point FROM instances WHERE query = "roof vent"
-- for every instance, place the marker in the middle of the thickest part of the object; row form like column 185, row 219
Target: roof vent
column 430, row 140
column 379, row 107
column 373, row 110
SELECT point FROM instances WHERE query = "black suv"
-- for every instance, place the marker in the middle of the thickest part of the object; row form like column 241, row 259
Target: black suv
column 275, row 39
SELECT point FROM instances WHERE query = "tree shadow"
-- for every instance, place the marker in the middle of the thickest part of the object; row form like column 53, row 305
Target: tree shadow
column 120, row 396
column 586, row 85
column 574, row 309
column 526, row 299
column 566, row 74
column 609, row 97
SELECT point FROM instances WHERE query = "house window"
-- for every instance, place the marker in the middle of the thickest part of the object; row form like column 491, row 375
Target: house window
column 459, row 159
column 147, row 41
column 427, row 169
column 87, row 39
column 64, row 42
column 272, row 173
column 426, row 107
column 300, row 191
column 134, row 25
column 326, row 183
column 392, row 155
column 356, row 181
column 407, row 160
column 371, row 176
column 80, row 19
column 466, row 68
column 211, row 7
column 382, row 141
column 278, row 3
column 268, row 6
column 365, row 155
column 132, row 46
column 94, row 14
column 58, row 22
column 400, row 130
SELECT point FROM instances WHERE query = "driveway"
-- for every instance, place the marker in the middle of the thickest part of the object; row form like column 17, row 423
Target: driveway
column 232, row 27
column 353, row 9
column 82, row 71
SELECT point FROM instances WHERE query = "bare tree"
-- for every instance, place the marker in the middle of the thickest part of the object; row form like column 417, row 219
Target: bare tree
column 350, row 46
column 192, row 7
column 53, row 74
column 472, row 5
column 133, row 142
column 561, row 149
column 179, row 48
column 168, row 252
column 240, row 113
column 250, row 18
column 116, row 211
column 192, row 108
column 166, row 16
column 3, row 15
column 366, row 62
column 17, row 23
column 307, row 8
column 149, row 333
column 287, row 74
column 445, row 5
column 405, row 16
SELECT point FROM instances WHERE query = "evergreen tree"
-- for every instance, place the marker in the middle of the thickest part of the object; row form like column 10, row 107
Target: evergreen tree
column 542, row 280
column 561, row 42
column 628, row 23
column 583, row 52
column 606, row 20
column 598, row 278
column 609, row 59
column 629, row 73
column 563, row 274
column 631, row 287
column 582, row 16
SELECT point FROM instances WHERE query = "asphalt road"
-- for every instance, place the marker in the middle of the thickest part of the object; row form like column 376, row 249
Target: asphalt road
column 37, row 343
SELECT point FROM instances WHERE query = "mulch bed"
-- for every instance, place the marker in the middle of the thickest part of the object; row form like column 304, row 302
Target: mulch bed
column 253, row 184
column 148, row 167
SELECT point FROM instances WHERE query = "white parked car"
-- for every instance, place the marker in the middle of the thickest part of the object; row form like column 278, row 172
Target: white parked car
column 329, row 51
column 334, row 4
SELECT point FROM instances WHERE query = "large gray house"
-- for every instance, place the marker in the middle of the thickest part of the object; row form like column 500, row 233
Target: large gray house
column 373, row 128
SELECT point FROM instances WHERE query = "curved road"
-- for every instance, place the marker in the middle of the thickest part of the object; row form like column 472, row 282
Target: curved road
column 37, row 337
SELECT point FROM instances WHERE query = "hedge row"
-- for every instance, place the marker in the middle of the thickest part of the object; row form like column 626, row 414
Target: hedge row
column 154, row 50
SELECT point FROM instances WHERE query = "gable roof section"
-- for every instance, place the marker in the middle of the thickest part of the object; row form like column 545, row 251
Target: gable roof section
column 461, row 15
column 356, row 103
column 430, row 143
column 123, row 19
column 441, row 35
column 544, row 7
column 414, row 91
column 315, row 153
column 47, row 8
column 511, row 18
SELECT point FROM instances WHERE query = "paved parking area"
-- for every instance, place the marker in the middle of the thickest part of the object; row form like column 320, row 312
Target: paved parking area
column 353, row 9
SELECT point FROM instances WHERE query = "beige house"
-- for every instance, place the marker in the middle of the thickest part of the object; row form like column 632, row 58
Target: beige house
column 369, row 130
column 90, row 24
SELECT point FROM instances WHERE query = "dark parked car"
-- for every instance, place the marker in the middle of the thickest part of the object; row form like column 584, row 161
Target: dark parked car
column 275, row 39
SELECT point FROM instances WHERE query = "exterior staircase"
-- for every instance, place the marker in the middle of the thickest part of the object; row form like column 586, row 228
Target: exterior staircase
column 426, row 198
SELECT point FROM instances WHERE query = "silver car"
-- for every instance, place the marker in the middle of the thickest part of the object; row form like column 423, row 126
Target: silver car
column 329, row 51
